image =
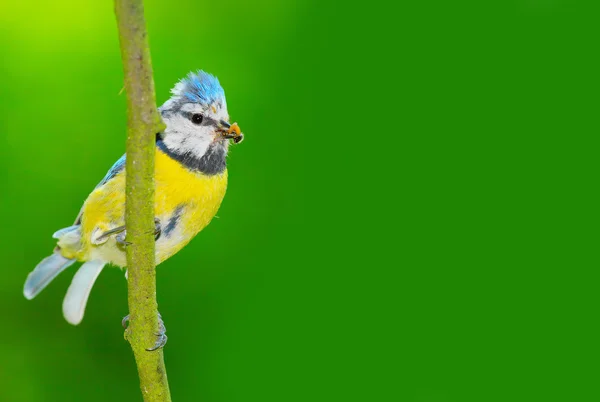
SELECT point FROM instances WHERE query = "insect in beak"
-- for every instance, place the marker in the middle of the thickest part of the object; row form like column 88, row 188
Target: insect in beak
column 231, row 131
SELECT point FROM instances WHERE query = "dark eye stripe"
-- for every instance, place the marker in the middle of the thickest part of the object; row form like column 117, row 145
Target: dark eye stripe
column 206, row 121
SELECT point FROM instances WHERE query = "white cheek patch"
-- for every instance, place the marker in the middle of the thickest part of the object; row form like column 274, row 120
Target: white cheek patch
column 182, row 136
column 197, row 145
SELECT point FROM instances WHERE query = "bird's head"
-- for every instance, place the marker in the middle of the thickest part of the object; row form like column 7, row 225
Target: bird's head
column 197, row 119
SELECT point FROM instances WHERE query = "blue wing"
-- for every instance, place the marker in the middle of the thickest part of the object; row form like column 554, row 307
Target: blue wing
column 113, row 171
column 117, row 168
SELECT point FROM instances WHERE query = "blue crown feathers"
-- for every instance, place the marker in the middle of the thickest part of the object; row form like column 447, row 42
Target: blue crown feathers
column 200, row 87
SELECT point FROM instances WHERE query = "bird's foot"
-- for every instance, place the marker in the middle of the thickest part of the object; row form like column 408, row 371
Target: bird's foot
column 120, row 238
column 161, row 336
column 121, row 234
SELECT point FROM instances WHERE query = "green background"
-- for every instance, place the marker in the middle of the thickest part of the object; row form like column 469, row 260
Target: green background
column 412, row 216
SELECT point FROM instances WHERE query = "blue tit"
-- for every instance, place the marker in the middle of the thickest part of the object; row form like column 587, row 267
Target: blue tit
column 190, row 178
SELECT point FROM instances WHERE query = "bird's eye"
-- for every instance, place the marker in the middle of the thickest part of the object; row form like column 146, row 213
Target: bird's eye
column 197, row 118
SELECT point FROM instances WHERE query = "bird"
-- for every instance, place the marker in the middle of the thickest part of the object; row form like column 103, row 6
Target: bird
column 190, row 179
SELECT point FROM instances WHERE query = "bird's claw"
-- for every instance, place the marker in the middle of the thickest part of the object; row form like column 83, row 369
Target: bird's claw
column 161, row 336
column 124, row 321
column 161, row 340
column 120, row 238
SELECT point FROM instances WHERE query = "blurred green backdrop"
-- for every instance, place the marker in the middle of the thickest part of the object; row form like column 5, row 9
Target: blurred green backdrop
column 409, row 218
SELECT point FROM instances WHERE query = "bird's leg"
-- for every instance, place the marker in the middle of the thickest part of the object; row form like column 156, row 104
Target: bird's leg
column 122, row 233
column 103, row 237
column 120, row 238
column 161, row 336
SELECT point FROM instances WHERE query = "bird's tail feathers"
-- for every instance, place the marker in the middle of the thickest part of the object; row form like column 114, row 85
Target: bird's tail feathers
column 61, row 232
column 44, row 273
column 79, row 291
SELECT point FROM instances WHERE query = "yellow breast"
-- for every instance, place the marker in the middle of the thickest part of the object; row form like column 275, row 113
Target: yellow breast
column 185, row 202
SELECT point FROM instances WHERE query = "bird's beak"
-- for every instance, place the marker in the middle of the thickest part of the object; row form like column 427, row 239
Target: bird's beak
column 231, row 131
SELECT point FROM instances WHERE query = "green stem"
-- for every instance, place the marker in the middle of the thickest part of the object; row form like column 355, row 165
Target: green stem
column 143, row 122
